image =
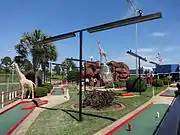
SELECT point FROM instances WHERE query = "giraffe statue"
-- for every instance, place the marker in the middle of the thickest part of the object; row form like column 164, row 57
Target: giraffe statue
column 102, row 52
column 23, row 81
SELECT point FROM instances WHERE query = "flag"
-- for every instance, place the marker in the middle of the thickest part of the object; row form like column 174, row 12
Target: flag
column 158, row 57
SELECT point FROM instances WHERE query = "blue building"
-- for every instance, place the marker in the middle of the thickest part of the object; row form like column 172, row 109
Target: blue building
column 172, row 70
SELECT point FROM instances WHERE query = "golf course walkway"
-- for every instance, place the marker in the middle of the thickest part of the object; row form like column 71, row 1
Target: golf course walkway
column 52, row 101
column 157, row 103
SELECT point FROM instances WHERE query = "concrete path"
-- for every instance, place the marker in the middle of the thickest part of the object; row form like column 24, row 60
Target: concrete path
column 53, row 100
column 156, row 100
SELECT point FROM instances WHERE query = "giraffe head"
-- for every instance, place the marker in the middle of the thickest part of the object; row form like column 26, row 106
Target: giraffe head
column 14, row 64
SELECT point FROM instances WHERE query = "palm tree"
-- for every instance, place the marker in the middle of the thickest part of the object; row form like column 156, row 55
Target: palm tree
column 41, row 53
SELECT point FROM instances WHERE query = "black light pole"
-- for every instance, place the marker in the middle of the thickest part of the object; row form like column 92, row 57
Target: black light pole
column 50, row 72
column 80, row 85
column 84, row 76
column 139, row 76
column 102, row 27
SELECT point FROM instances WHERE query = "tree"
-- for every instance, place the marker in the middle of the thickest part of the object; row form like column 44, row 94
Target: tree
column 6, row 63
column 70, row 64
column 57, row 69
column 24, row 64
column 41, row 53
column 72, row 75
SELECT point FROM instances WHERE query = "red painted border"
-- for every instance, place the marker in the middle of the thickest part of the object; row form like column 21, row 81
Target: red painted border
column 127, row 94
column 127, row 120
column 32, row 107
column 21, row 102
column 165, row 95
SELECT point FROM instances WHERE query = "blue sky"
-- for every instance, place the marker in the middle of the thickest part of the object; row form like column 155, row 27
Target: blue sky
column 55, row 17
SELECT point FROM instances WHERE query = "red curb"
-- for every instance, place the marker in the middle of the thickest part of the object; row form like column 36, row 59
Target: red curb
column 127, row 94
column 127, row 120
column 34, row 106
column 19, row 122
column 21, row 102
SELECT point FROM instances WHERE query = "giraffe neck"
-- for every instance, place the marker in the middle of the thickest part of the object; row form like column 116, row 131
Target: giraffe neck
column 21, row 76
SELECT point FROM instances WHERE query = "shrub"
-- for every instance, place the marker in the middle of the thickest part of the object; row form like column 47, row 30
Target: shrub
column 31, row 76
column 108, row 86
column 157, row 83
column 49, row 86
column 117, row 84
column 166, row 81
column 136, row 84
column 123, row 84
column 41, row 92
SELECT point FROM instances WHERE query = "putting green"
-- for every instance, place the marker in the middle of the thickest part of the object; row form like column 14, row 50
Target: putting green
column 58, row 91
column 168, row 93
column 11, row 117
column 145, row 123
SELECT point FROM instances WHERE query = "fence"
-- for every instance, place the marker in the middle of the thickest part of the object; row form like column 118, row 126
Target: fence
column 8, row 97
column 9, row 78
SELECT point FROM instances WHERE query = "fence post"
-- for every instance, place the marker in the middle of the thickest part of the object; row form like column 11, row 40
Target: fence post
column 15, row 94
column 9, row 95
column 2, row 99
column 153, row 91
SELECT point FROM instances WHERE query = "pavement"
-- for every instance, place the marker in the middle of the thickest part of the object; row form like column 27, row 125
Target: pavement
column 156, row 100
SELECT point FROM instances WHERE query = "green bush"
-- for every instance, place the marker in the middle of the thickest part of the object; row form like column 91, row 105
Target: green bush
column 136, row 85
column 49, row 86
column 31, row 76
column 108, row 86
column 166, row 81
column 117, row 84
column 41, row 92
column 157, row 83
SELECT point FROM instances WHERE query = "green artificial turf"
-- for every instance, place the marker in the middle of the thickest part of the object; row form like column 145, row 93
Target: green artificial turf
column 11, row 117
column 56, row 121
column 145, row 123
column 58, row 91
column 169, row 93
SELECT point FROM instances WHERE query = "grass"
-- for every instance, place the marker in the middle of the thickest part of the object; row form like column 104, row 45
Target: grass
column 62, row 119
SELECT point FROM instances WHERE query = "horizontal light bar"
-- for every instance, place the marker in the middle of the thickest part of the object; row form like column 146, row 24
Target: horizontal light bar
column 135, row 55
column 58, row 64
column 55, row 38
column 125, row 22
column 153, row 63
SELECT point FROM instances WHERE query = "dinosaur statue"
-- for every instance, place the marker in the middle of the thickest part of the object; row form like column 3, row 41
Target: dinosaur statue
column 24, row 82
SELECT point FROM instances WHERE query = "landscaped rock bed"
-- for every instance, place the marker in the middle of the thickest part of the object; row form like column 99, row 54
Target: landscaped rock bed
column 112, row 107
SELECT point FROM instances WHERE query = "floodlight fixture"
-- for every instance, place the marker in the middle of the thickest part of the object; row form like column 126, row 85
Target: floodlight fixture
column 58, row 37
column 128, row 21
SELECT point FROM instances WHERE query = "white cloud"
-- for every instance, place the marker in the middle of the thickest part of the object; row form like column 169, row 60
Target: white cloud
column 145, row 50
column 171, row 48
column 159, row 34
